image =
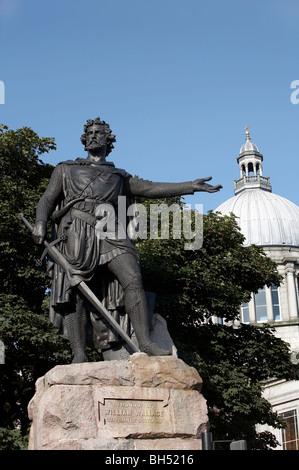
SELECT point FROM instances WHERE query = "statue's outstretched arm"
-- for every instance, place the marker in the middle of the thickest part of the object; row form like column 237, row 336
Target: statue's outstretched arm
column 144, row 188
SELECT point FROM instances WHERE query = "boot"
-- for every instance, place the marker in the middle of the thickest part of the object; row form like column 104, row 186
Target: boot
column 138, row 314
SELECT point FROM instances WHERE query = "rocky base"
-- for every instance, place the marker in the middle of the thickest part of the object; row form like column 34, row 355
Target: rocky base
column 143, row 403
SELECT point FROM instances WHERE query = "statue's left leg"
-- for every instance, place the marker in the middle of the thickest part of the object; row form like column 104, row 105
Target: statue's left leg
column 126, row 269
column 76, row 322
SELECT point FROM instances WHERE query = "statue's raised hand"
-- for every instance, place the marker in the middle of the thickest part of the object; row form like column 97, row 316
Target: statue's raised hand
column 201, row 185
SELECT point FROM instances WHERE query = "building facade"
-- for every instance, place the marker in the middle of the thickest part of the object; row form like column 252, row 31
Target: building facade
column 272, row 222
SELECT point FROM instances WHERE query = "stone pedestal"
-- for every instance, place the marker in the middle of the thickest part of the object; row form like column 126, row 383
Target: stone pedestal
column 143, row 403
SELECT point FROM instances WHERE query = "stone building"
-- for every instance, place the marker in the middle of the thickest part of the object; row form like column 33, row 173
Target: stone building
column 272, row 222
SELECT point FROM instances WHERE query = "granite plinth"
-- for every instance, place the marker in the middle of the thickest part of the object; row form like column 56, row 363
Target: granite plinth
column 143, row 403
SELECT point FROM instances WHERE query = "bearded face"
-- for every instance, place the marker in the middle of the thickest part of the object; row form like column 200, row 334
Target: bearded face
column 95, row 138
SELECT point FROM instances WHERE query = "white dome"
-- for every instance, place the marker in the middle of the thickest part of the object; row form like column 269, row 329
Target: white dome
column 264, row 218
column 249, row 147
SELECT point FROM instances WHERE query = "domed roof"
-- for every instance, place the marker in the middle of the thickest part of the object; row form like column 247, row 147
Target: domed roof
column 249, row 147
column 264, row 218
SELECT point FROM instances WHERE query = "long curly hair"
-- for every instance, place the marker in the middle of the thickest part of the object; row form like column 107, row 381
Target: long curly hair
column 109, row 136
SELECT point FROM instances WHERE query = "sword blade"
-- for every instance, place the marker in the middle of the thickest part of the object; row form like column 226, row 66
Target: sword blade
column 87, row 292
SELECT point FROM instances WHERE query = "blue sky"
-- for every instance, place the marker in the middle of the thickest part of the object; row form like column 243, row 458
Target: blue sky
column 176, row 80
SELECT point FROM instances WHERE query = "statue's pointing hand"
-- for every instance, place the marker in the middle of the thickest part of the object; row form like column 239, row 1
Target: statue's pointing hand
column 201, row 185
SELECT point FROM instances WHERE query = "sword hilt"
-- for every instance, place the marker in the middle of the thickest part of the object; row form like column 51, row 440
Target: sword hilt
column 28, row 224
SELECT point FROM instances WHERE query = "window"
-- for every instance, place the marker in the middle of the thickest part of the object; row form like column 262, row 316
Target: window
column 250, row 168
column 275, row 302
column 290, row 438
column 245, row 312
column 260, row 305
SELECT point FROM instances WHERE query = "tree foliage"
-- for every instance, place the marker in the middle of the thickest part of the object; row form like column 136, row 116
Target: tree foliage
column 190, row 287
column 23, row 179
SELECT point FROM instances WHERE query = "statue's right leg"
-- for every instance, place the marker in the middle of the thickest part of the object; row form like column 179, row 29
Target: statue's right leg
column 127, row 271
column 76, row 323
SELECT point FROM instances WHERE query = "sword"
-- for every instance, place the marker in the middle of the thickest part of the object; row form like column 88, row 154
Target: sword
column 83, row 287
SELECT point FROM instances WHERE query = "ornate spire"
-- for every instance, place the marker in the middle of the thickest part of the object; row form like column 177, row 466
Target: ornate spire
column 250, row 166
column 247, row 133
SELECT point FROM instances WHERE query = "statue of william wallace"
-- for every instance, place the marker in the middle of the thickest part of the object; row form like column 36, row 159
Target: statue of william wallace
column 108, row 264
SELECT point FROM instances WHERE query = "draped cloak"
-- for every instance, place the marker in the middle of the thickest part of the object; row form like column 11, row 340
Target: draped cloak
column 86, row 252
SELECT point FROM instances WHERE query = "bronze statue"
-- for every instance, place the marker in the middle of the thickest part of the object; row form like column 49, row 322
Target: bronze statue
column 109, row 265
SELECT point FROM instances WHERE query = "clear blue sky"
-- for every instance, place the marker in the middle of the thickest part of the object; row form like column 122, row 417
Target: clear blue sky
column 176, row 80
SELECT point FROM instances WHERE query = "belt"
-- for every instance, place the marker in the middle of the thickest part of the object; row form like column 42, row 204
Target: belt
column 85, row 216
column 57, row 215
column 98, row 201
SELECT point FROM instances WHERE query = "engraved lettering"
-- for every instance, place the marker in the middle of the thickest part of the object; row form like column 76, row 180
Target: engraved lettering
column 131, row 411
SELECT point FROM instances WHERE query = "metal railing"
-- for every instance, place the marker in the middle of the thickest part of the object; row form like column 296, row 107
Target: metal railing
column 252, row 179
column 209, row 444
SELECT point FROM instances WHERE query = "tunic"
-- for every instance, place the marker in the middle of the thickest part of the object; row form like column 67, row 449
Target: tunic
column 85, row 252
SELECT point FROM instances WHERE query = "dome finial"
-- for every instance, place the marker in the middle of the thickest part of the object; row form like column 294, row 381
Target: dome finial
column 247, row 133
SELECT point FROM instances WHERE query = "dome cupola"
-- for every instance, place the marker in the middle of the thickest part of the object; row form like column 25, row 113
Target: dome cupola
column 251, row 168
